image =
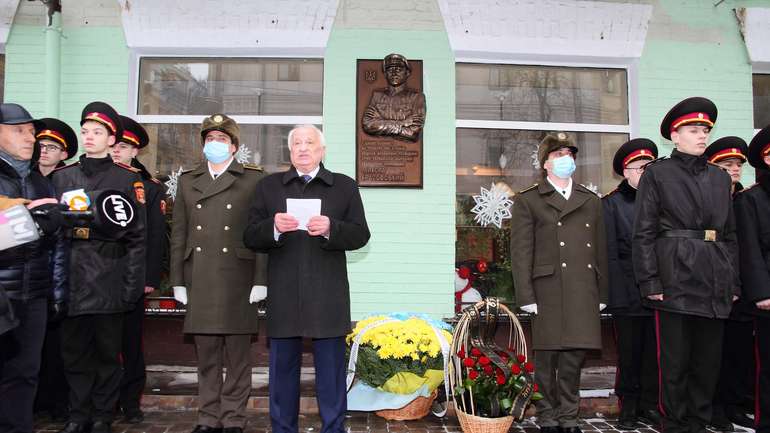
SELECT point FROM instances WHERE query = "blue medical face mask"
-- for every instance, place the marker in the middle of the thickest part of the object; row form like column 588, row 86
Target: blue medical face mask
column 216, row 151
column 563, row 166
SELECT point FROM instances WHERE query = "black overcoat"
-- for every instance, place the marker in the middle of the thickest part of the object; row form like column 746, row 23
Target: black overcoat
column 624, row 296
column 695, row 276
column 752, row 208
column 308, row 292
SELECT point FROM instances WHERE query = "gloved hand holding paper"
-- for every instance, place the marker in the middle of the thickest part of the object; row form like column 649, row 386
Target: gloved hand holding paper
column 303, row 210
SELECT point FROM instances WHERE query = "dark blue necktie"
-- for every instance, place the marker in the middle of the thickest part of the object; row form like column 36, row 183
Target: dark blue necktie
column 306, row 178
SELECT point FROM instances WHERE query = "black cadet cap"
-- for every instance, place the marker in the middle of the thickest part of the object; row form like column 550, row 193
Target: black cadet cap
column 106, row 115
column 696, row 110
column 60, row 132
column 134, row 133
column 638, row 148
column 15, row 114
column 759, row 147
column 725, row 148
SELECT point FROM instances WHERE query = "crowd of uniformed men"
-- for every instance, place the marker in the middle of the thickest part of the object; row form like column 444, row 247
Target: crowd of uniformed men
column 678, row 254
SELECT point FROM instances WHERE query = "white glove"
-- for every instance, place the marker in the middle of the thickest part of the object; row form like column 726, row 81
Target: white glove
column 257, row 294
column 602, row 306
column 180, row 294
column 531, row 308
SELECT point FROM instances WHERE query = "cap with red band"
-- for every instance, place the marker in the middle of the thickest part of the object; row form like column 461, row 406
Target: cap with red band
column 691, row 111
column 106, row 115
column 633, row 150
column 59, row 132
column 134, row 133
column 726, row 148
column 760, row 148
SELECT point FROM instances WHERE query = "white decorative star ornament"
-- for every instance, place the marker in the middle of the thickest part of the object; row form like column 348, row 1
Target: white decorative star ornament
column 535, row 159
column 594, row 188
column 171, row 183
column 243, row 155
column 492, row 206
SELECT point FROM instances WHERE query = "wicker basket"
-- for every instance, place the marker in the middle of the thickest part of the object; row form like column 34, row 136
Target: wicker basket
column 477, row 424
column 416, row 409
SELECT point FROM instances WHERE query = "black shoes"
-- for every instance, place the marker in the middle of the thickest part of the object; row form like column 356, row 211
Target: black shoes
column 101, row 427
column 650, row 416
column 551, row 429
column 627, row 419
column 737, row 416
column 575, row 429
column 206, row 429
column 74, row 427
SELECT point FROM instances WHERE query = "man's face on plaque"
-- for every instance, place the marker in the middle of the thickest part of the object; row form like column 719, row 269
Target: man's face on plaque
column 396, row 74
column 306, row 149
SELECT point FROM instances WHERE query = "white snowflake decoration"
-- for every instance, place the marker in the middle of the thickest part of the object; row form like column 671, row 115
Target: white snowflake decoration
column 243, row 155
column 171, row 183
column 492, row 206
column 535, row 159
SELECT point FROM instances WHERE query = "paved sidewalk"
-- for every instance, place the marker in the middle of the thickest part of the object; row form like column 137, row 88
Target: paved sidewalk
column 357, row 422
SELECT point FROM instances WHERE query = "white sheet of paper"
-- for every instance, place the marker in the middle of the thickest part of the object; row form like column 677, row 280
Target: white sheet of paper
column 302, row 209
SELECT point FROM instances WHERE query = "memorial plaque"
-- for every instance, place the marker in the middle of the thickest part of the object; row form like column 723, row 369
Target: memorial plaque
column 390, row 115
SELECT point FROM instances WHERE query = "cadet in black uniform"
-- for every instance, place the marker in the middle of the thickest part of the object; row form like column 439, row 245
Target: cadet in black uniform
column 684, row 256
column 106, row 276
column 125, row 151
column 637, row 379
column 736, row 376
column 57, row 142
column 752, row 208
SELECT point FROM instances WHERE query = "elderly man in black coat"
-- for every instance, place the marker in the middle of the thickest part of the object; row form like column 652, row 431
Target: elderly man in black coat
column 307, row 276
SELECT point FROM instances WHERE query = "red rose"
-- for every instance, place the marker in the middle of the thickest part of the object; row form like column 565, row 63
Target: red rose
column 521, row 358
column 469, row 362
column 535, row 388
column 461, row 354
column 515, row 369
column 482, row 266
column 529, row 368
column 499, row 371
column 475, row 352
column 484, row 360
column 473, row 374
column 488, row 369
column 504, row 356
column 501, row 380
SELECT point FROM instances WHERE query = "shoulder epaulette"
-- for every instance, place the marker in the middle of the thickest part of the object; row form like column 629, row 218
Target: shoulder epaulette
column 152, row 179
column 590, row 190
column 253, row 167
column 127, row 167
column 529, row 188
column 76, row 163
column 610, row 193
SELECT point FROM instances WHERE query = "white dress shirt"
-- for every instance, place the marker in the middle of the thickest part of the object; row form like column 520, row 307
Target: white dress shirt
column 565, row 192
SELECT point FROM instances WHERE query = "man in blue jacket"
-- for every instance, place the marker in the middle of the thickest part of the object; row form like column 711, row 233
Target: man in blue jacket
column 25, row 270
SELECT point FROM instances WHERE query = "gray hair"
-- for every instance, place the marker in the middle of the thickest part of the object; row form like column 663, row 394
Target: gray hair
column 320, row 133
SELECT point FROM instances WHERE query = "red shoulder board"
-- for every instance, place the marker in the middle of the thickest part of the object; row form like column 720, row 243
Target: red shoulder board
column 67, row 166
column 155, row 180
column 610, row 193
column 127, row 167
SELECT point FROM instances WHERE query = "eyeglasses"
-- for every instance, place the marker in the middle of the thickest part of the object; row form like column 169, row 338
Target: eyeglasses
column 50, row 147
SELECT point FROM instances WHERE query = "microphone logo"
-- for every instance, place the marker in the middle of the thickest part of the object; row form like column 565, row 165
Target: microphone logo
column 118, row 210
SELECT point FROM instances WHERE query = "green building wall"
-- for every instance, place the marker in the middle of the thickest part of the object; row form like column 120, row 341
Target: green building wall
column 692, row 48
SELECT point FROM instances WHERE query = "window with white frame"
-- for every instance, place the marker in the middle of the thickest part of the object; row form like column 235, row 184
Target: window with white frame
column 761, row 85
column 266, row 96
column 503, row 112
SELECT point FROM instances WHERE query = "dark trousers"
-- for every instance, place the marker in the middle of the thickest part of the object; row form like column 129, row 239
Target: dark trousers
column 762, row 411
column 557, row 374
column 736, row 376
column 53, row 390
column 285, row 364
column 19, row 365
column 134, row 376
column 91, row 355
column 690, row 352
column 223, row 403
column 637, row 376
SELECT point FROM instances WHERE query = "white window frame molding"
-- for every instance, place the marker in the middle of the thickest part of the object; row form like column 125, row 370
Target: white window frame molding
column 629, row 65
column 758, row 69
column 135, row 58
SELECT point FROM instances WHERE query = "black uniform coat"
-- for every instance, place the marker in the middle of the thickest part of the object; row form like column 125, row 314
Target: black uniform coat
column 308, row 292
column 207, row 252
column 559, row 262
column 624, row 297
column 752, row 209
column 25, row 270
column 157, row 241
column 106, row 275
column 695, row 277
